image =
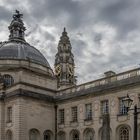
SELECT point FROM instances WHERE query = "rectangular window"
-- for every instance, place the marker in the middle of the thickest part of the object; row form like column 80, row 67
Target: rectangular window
column 9, row 114
column 122, row 108
column 88, row 111
column 74, row 114
column 61, row 116
column 104, row 107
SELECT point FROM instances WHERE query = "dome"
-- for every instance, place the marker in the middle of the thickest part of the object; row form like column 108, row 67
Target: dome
column 22, row 51
column 17, row 47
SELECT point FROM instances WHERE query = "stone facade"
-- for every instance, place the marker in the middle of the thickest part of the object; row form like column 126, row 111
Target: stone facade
column 36, row 104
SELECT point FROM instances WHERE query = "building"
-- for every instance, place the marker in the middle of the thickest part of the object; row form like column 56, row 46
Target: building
column 38, row 104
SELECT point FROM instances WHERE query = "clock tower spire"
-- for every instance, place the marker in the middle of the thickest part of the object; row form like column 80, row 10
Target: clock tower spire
column 64, row 63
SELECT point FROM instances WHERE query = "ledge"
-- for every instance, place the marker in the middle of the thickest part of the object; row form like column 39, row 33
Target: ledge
column 122, row 117
column 100, row 89
column 88, row 122
column 26, row 93
column 74, row 123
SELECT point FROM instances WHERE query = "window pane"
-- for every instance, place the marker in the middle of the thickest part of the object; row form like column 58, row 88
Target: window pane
column 123, row 133
column 104, row 107
column 88, row 111
column 61, row 116
column 122, row 108
column 9, row 114
column 74, row 114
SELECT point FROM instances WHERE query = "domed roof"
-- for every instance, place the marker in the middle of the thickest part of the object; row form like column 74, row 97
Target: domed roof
column 21, row 51
column 17, row 47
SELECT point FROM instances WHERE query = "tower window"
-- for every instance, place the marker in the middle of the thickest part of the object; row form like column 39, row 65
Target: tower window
column 8, row 80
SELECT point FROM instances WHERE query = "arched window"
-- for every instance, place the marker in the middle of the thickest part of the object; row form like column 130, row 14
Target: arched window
column 61, row 135
column 9, row 135
column 89, row 134
column 74, row 135
column 123, row 133
column 8, row 80
column 48, row 135
column 34, row 134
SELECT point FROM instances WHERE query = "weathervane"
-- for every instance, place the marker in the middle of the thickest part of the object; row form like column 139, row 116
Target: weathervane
column 17, row 15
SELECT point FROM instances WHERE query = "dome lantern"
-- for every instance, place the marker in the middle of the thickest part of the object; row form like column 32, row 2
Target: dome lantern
column 16, row 27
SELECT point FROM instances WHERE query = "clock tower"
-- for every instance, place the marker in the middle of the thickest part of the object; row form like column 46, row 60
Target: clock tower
column 64, row 63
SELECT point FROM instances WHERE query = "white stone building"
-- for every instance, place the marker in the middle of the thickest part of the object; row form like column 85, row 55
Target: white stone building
column 38, row 104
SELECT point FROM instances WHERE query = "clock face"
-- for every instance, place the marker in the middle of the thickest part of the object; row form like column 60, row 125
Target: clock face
column 57, row 69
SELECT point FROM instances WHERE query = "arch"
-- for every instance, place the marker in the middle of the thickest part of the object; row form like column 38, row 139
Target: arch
column 61, row 135
column 34, row 134
column 9, row 135
column 8, row 80
column 48, row 135
column 123, row 132
column 74, row 135
column 89, row 134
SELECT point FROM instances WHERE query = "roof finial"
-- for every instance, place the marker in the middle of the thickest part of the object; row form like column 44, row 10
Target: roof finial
column 64, row 29
column 17, row 15
column 17, row 27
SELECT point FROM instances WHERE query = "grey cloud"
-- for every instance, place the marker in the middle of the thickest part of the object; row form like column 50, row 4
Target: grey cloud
column 123, row 15
column 4, row 13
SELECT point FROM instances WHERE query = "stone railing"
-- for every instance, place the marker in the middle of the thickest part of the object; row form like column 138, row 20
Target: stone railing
column 101, row 81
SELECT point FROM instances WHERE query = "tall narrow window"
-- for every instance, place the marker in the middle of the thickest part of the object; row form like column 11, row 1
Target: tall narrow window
column 74, row 114
column 88, row 111
column 8, row 80
column 61, row 116
column 104, row 107
column 122, row 108
column 9, row 114
column 123, row 133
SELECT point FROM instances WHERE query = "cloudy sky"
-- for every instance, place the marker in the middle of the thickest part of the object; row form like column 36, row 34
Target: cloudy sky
column 105, row 34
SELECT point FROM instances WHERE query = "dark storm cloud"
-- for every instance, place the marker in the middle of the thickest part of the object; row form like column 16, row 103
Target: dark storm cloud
column 4, row 13
column 122, row 14
column 57, row 11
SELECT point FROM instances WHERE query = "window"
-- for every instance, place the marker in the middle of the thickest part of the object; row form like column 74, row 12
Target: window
column 34, row 134
column 9, row 114
column 74, row 114
column 88, row 134
column 104, row 107
column 75, row 135
column 61, row 116
column 61, row 135
column 8, row 80
column 124, row 133
column 122, row 108
column 88, row 112
column 48, row 135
